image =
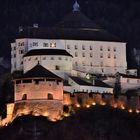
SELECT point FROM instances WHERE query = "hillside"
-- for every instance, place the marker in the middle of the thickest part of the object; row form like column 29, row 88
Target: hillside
column 97, row 123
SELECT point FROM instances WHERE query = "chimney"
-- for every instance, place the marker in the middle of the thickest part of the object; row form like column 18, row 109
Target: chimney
column 35, row 25
column 20, row 29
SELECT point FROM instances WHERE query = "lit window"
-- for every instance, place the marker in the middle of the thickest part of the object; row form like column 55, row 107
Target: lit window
column 76, row 54
column 76, row 47
column 83, row 47
column 45, row 45
column 83, row 54
column 90, row 47
column 53, row 45
column 35, row 44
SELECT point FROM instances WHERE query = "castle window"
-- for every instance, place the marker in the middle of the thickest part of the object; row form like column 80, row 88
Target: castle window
column 35, row 44
column 44, row 58
column 114, row 49
column 60, row 58
column 21, row 63
column 91, row 64
column 68, row 46
column 83, row 54
column 101, row 55
column 101, row 64
column 76, row 47
column 109, row 56
column 20, row 51
column 91, row 54
column 128, row 80
column 101, row 48
column 50, row 96
column 37, row 82
column 83, row 47
column 36, row 58
column 108, row 49
column 24, row 97
column 76, row 54
column 83, row 63
column 45, row 45
column 57, row 67
column 53, row 45
column 52, row 58
column 27, row 81
column 90, row 47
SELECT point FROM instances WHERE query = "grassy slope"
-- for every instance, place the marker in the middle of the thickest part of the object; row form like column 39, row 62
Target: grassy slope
column 97, row 123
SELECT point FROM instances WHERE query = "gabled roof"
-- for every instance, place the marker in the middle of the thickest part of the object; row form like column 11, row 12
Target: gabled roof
column 81, row 82
column 47, row 52
column 75, row 26
column 40, row 71
column 77, row 20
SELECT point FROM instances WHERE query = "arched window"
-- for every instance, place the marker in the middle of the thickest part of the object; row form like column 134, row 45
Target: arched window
column 50, row 96
column 24, row 97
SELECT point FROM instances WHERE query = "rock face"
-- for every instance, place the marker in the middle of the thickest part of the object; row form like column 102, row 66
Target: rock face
column 52, row 109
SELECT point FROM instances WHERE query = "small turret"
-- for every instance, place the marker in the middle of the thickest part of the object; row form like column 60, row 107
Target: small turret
column 76, row 7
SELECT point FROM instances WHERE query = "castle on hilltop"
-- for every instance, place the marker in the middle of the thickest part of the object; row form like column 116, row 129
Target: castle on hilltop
column 46, row 63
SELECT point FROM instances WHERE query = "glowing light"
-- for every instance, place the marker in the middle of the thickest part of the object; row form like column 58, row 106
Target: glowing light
column 45, row 114
column 137, row 111
column 102, row 103
column 130, row 110
column 77, row 105
column 66, row 114
column 122, row 107
column 36, row 114
column 87, row 106
column 114, row 105
column 93, row 103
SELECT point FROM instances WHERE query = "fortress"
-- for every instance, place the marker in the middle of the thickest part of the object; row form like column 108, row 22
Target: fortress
column 51, row 65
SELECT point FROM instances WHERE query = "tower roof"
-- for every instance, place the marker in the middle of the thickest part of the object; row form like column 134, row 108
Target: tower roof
column 40, row 71
column 47, row 52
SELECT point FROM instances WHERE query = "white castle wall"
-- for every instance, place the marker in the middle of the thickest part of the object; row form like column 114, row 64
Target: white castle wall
column 50, row 62
column 88, row 56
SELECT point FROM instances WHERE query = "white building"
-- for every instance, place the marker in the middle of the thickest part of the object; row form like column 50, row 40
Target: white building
column 94, row 50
